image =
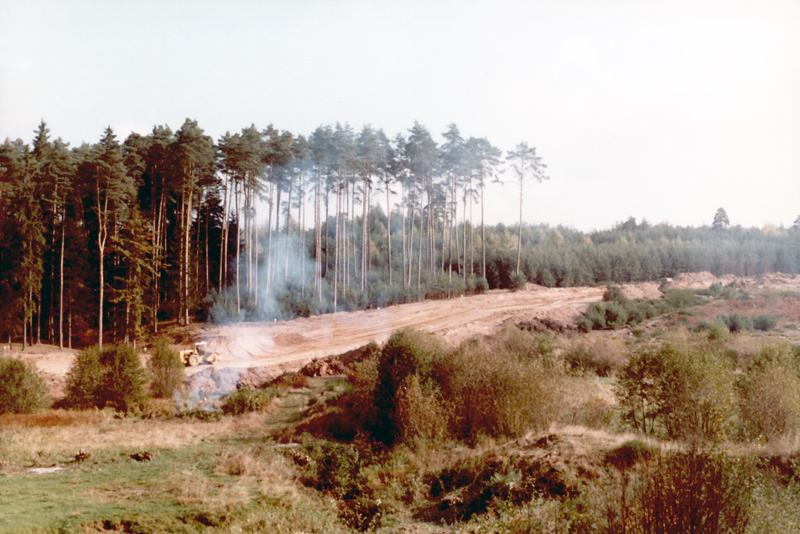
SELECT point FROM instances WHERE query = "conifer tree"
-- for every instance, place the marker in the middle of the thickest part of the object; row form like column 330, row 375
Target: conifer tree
column 110, row 190
column 525, row 165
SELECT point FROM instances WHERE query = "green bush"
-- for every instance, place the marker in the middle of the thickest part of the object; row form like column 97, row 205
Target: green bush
column 477, row 285
column 683, row 391
column 617, row 311
column 246, row 399
column 22, row 388
column 614, row 294
column 518, row 281
column 735, row 322
column 113, row 377
column 425, row 391
column 765, row 322
column 594, row 318
column 167, row 371
column 489, row 390
column 83, row 379
column 770, row 394
column 616, row 315
column 406, row 353
column 680, row 299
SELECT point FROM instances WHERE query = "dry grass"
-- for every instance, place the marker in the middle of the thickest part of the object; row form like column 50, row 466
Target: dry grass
column 589, row 402
column 595, row 351
column 51, row 418
column 97, row 431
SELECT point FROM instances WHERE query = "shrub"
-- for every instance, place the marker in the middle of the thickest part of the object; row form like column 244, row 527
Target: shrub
column 601, row 355
column 640, row 390
column 630, row 453
column 518, row 281
column 616, row 315
column 696, row 491
column 614, row 294
column 123, row 380
column 477, row 285
column 680, row 299
column 735, row 322
column 491, row 392
column 617, row 311
column 770, row 394
column 688, row 391
column 765, row 322
column 83, row 379
column 112, row 378
column 167, row 372
column 425, row 391
column 594, row 318
column 22, row 388
column 406, row 353
column 244, row 400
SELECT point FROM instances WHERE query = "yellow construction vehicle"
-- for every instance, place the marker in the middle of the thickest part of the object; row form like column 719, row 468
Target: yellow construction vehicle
column 199, row 354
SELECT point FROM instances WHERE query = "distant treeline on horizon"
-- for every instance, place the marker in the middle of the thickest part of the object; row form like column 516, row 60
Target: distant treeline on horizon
column 110, row 238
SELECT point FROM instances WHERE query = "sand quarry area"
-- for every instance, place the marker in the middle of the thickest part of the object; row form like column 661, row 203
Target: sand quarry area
column 280, row 346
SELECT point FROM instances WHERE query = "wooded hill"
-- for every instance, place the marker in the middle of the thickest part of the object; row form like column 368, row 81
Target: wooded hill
column 108, row 239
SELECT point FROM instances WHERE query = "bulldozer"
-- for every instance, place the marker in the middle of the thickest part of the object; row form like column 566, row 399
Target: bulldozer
column 198, row 354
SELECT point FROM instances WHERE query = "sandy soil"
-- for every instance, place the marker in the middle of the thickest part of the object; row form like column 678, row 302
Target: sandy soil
column 289, row 345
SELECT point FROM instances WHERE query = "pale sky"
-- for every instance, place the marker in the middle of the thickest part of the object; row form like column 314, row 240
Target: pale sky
column 656, row 109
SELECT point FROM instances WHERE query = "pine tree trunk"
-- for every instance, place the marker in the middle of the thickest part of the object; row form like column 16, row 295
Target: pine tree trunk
column 419, row 256
column 288, row 220
column 336, row 247
column 186, row 258
column 61, row 291
column 519, row 235
column 223, row 253
column 389, row 231
column 269, row 231
column 318, row 236
column 483, row 231
column 238, row 247
column 403, row 202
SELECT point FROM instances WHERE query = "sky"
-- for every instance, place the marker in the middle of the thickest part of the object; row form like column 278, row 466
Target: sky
column 663, row 110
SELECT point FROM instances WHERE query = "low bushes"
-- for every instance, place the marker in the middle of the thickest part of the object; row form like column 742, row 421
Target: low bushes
column 113, row 377
column 617, row 311
column 22, row 388
column 418, row 389
column 601, row 355
column 770, row 394
column 246, row 399
column 678, row 390
column 167, row 372
column 735, row 322
column 674, row 493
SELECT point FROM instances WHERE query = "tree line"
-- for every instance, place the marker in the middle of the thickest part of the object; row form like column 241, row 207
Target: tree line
column 111, row 238
column 117, row 236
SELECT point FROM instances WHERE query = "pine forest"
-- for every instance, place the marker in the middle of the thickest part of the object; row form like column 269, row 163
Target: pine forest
column 104, row 241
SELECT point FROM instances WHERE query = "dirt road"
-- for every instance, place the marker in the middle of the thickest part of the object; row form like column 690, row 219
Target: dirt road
column 291, row 344
column 301, row 340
